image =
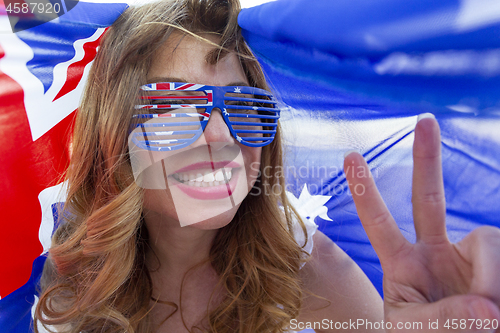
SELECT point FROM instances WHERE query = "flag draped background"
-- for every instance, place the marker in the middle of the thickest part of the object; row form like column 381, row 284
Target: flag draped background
column 351, row 75
column 42, row 74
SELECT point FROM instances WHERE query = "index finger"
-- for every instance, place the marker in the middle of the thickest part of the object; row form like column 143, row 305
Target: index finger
column 377, row 221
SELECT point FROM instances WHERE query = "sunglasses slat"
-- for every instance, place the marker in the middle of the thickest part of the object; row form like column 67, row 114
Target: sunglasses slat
column 259, row 138
column 255, row 131
column 170, row 106
column 187, row 123
column 244, row 123
column 171, row 115
column 166, row 133
column 250, row 115
column 253, row 108
column 248, row 99
column 173, row 97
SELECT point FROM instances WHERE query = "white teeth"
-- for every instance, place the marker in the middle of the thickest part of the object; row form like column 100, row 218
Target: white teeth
column 205, row 178
column 219, row 176
column 208, row 178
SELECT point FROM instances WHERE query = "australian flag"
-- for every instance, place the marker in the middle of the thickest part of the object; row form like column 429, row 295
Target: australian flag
column 43, row 71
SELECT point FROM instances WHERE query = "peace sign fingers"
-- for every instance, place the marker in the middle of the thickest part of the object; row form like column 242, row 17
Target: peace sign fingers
column 429, row 206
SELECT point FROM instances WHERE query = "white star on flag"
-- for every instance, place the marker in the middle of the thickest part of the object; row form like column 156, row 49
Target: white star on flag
column 237, row 90
column 310, row 206
column 238, row 138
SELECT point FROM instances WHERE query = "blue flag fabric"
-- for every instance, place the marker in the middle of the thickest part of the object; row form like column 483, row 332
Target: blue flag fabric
column 42, row 73
column 354, row 74
column 418, row 54
column 16, row 308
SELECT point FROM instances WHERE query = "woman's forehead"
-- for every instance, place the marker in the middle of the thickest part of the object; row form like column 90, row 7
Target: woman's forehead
column 185, row 57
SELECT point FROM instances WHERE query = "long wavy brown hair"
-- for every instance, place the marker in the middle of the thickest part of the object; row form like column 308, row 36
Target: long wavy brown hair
column 96, row 279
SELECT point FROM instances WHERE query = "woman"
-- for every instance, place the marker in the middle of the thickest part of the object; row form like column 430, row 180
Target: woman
column 111, row 261
column 130, row 257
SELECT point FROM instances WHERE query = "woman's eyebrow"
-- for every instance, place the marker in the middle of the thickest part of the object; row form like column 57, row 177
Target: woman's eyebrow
column 167, row 79
column 237, row 84
column 180, row 80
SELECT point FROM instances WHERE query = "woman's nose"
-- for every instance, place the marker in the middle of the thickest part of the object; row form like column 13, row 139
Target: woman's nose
column 216, row 129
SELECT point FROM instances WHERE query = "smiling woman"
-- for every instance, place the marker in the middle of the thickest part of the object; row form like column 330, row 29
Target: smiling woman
column 210, row 152
column 163, row 233
column 165, row 248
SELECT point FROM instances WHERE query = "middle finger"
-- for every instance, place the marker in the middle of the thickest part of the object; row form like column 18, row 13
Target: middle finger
column 429, row 204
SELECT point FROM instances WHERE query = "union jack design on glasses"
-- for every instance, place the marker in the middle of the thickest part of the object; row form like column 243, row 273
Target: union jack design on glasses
column 176, row 114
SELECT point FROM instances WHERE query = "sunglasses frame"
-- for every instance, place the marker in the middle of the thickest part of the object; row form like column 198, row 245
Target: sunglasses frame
column 215, row 99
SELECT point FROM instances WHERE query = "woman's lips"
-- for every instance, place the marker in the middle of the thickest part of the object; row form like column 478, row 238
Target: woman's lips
column 217, row 181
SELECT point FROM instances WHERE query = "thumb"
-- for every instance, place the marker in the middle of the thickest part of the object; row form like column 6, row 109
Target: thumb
column 457, row 314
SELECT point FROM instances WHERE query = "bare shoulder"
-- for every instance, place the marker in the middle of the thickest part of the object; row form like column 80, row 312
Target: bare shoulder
column 335, row 288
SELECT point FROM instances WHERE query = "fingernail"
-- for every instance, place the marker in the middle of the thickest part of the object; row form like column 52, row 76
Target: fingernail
column 350, row 151
column 425, row 115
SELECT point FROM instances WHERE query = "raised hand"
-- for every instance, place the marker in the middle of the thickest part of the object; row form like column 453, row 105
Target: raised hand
column 432, row 281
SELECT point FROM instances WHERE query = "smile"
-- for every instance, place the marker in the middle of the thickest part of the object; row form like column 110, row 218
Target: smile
column 208, row 180
column 204, row 177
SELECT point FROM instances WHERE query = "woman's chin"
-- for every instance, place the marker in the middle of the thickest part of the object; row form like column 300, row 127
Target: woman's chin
column 216, row 222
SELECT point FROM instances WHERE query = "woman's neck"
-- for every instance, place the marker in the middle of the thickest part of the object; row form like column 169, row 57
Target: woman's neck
column 175, row 249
